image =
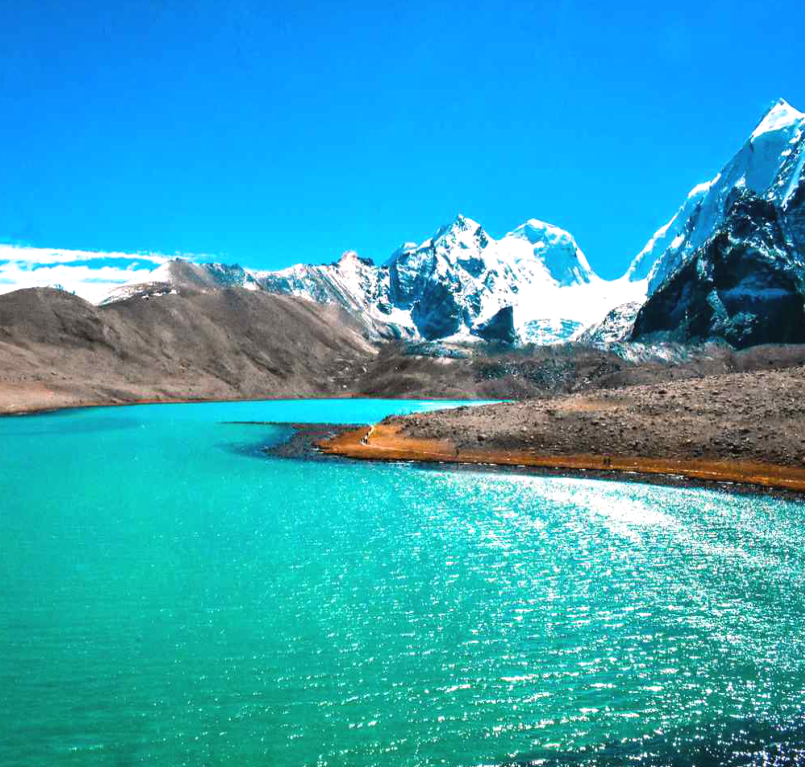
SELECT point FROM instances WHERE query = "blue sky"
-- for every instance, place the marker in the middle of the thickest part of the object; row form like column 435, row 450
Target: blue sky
column 279, row 132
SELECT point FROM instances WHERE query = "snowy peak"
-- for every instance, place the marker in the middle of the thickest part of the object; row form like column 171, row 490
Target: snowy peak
column 463, row 233
column 462, row 283
column 769, row 164
column 550, row 247
column 460, row 224
column 535, row 231
column 351, row 260
column 780, row 117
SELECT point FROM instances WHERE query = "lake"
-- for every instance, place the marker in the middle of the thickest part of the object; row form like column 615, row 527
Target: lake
column 171, row 595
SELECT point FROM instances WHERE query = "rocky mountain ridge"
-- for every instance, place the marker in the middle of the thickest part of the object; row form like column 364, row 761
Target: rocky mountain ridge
column 769, row 164
column 745, row 285
column 535, row 285
column 748, row 221
column 452, row 286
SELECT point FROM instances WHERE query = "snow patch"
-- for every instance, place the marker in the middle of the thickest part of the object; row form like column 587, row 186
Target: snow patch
column 780, row 116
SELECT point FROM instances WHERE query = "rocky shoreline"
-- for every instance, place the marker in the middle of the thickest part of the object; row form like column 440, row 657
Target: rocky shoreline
column 304, row 441
column 744, row 428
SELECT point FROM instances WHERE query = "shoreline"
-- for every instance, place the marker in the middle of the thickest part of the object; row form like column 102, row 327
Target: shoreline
column 385, row 442
column 44, row 409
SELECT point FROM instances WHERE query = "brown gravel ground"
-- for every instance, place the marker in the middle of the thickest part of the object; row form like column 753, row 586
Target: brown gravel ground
column 758, row 416
column 746, row 427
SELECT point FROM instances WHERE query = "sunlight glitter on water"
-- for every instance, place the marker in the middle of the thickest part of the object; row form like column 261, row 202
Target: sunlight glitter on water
column 192, row 602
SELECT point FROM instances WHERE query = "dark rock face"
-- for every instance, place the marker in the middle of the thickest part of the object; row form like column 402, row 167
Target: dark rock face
column 473, row 266
column 794, row 214
column 745, row 285
column 437, row 313
column 409, row 275
column 500, row 327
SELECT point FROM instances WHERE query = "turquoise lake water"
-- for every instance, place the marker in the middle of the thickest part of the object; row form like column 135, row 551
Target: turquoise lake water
column 170, row 595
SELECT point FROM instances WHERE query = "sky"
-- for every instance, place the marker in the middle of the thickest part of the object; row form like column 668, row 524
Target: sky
column 272, row 133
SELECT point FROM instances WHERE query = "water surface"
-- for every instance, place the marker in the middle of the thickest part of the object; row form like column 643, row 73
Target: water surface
column 172, row 596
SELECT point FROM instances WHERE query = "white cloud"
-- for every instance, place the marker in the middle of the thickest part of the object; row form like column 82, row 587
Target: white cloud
column 88, row 274
column 62, row 256
column 91, row 283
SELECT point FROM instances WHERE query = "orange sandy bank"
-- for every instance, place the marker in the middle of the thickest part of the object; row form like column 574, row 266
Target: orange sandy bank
column 384, row 442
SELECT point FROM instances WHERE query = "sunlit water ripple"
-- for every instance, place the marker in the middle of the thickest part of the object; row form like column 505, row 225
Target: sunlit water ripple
column 169, row 598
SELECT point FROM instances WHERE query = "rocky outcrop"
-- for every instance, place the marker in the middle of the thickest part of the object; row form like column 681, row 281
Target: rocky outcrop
column 437, row 312
column 745, row 285
column 616, row 327
column 498, row 328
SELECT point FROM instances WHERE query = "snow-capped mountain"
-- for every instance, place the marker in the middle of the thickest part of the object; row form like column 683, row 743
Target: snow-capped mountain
column 533, row 285
column 354, row 282
column 546, row 253
column 769, row 164
column 454, row 283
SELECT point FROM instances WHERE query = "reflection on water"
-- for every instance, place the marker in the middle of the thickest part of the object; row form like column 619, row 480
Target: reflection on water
column 720, row 744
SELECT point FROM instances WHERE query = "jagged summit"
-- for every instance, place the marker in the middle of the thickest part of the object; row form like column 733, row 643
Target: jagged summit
column 461, row 231
column 461, row 223
column 452, row 285
column 460, row 278
column 351, row 257
column 769, row 164
column 780, row 115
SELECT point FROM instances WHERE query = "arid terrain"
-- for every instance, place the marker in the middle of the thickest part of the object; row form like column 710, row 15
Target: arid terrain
column 757, row 416
column 57, row 350
column 737, row 426
column 573, row 406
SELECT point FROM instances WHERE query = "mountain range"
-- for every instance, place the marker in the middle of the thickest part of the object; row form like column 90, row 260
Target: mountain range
column 727, row 266
column 533, row 285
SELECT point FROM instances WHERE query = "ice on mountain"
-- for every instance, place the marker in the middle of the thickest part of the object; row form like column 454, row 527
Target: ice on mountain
column 762, row 163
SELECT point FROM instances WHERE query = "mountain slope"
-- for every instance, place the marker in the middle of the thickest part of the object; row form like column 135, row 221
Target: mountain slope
column 180, row 274
column 769, row 164
column 745, row 285
column 352, row 282
column 58, row 349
